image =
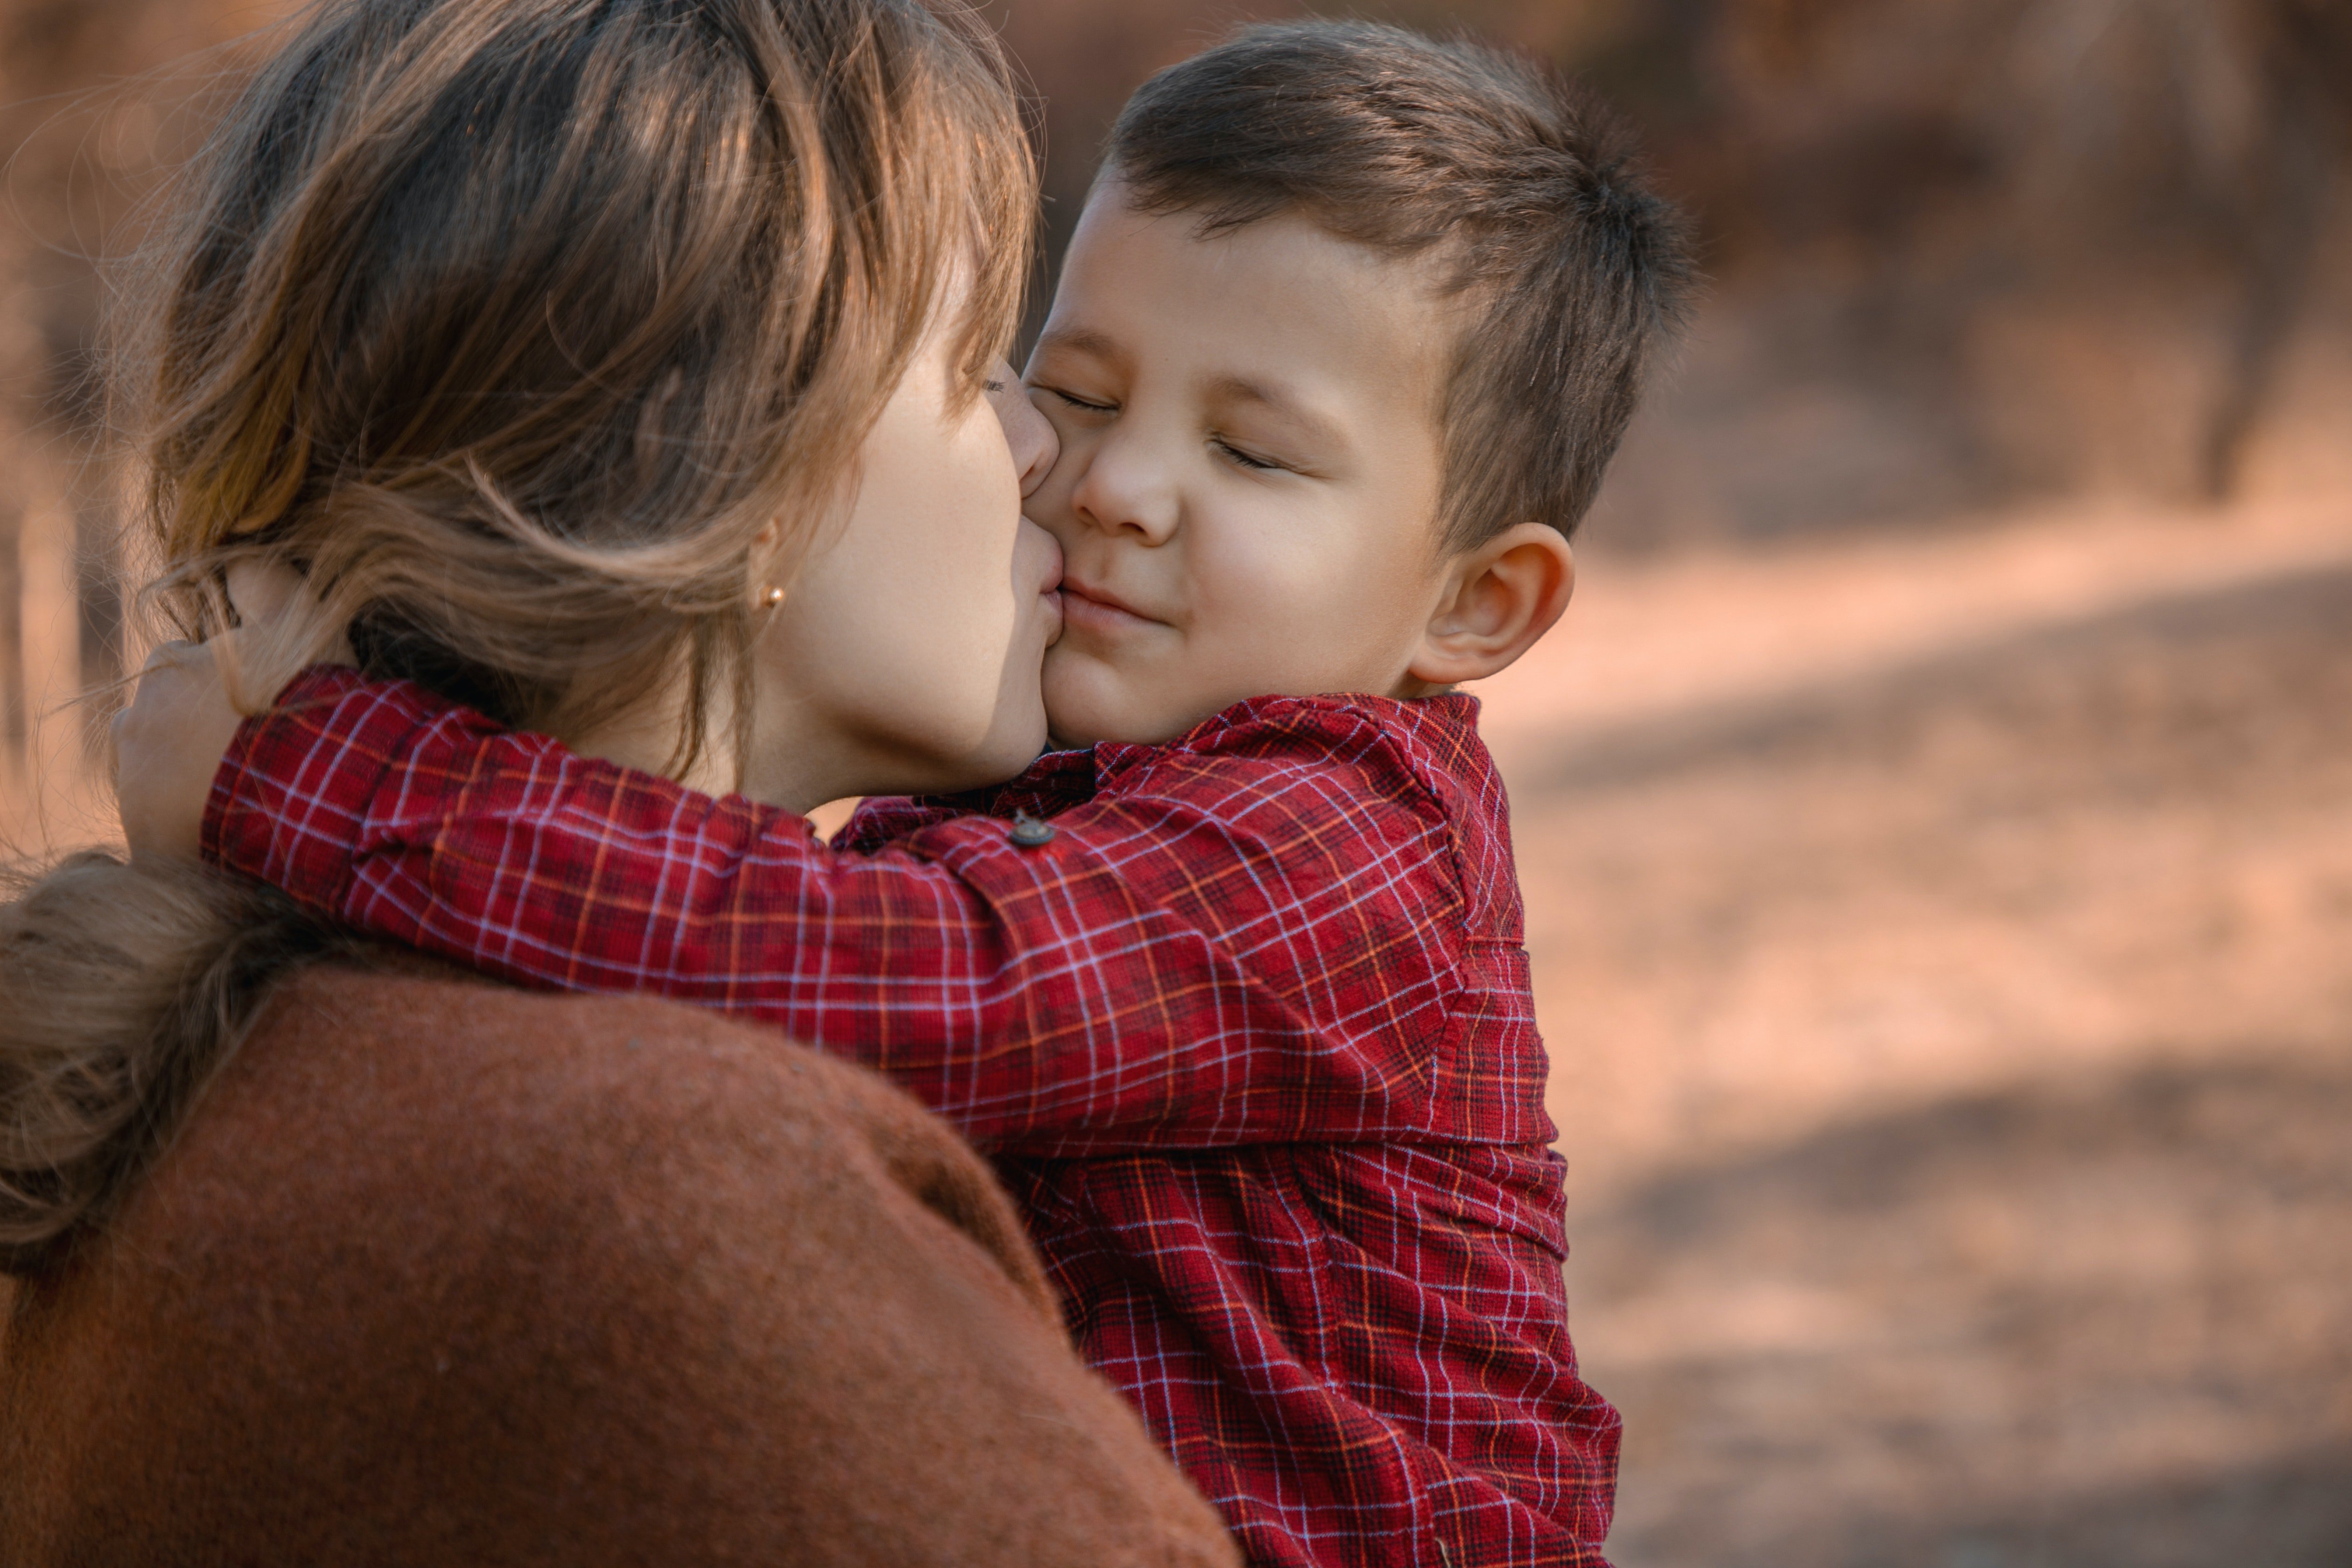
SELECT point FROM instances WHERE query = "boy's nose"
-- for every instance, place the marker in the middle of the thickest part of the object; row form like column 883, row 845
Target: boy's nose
column 1124, row 491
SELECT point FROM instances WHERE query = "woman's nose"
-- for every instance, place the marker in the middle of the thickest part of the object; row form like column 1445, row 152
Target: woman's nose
column 1027, row 432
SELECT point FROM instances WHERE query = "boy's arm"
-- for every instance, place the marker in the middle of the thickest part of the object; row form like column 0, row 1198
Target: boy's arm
column 1211, row 960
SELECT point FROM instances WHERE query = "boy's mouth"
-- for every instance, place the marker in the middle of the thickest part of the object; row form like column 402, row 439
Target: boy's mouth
column 1098, row 609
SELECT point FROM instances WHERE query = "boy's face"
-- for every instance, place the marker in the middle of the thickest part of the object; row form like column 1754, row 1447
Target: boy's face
column 1248, row 488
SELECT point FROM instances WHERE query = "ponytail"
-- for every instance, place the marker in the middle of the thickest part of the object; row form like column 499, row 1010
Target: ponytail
column 125, row 987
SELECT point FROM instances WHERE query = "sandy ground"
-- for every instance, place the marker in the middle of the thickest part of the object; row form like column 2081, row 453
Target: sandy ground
column 1946, row 950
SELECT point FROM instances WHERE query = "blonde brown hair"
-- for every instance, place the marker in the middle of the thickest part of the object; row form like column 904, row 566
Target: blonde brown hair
column 521, row 327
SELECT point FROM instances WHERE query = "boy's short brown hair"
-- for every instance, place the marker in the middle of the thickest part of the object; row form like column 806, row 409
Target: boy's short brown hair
column 1575, row 271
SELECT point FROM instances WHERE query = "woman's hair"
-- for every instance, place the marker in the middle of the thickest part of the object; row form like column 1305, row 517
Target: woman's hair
column 126, row 986
column 532, row 333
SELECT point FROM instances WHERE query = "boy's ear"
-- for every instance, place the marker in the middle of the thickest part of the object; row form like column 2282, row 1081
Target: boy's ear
column 1498, row 599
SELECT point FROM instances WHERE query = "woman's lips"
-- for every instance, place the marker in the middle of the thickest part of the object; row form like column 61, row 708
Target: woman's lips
column 1050, row 592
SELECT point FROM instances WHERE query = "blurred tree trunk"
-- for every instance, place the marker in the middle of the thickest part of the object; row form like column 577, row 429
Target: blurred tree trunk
column 2304, row 80
column 88, row 123
column 39, row 640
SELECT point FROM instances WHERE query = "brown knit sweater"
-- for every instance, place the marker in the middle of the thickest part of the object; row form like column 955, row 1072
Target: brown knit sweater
column 439, row 1272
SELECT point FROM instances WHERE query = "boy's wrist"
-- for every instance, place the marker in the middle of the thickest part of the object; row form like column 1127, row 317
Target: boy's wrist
column 291, row 799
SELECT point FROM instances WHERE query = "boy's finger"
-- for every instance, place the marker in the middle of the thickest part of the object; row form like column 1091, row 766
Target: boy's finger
column 261, row 590
column 171, row 655
column 176, row 674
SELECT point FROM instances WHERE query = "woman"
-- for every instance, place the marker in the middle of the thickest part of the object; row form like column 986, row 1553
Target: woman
column 620, row 367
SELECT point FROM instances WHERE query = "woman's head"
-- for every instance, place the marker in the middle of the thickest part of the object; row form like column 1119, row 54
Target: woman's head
column 546, row 334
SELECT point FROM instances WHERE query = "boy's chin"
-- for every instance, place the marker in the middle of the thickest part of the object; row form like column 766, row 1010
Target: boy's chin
column 1073, row 738
column 1082, row 707
column 1087, row 705
column 1092, row 720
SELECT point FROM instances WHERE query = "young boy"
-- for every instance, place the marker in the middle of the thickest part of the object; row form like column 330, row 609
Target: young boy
column 1231, row 987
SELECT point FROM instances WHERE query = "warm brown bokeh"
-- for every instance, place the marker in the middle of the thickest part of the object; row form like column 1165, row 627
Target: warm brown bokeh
column 97, row 99
column 1935, row 814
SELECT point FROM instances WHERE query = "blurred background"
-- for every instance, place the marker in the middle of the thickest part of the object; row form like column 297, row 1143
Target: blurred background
column 1935, row 814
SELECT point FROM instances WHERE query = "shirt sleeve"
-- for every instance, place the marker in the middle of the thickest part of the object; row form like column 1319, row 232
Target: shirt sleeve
column 1226, row 947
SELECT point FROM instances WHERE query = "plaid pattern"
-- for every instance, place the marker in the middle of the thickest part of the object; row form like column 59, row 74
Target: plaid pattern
column 1251, row 1039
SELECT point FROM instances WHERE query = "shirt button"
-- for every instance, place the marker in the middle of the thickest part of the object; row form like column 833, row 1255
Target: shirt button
column 1029, row 832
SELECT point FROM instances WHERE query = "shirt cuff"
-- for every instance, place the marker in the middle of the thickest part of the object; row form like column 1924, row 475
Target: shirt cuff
column 290, row 801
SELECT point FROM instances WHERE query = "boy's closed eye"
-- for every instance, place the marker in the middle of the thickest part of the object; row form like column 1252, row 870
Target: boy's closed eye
column 1269, row 427
column 1240, row 452
column 1072, row 400
column 1242, row 456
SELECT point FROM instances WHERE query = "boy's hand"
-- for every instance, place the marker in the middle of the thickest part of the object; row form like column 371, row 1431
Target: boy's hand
column 168, row 743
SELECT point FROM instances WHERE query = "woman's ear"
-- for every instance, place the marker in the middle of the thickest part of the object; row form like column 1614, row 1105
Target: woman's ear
column 1498, row 600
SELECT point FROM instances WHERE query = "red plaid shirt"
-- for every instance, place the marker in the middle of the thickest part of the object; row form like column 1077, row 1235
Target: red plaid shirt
column 1251, row 1040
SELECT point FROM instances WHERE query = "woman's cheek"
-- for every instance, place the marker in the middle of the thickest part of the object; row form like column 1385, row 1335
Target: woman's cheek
column 1019, row 733
column 966, row 655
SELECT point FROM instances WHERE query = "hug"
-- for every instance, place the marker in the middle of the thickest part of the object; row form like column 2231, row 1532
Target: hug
column 580, row 445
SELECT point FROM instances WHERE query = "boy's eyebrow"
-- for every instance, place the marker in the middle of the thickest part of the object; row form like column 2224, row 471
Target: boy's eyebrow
column 1080, row 339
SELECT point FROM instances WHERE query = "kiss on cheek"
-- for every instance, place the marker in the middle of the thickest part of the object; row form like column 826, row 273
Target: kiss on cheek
column 1250, row 488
